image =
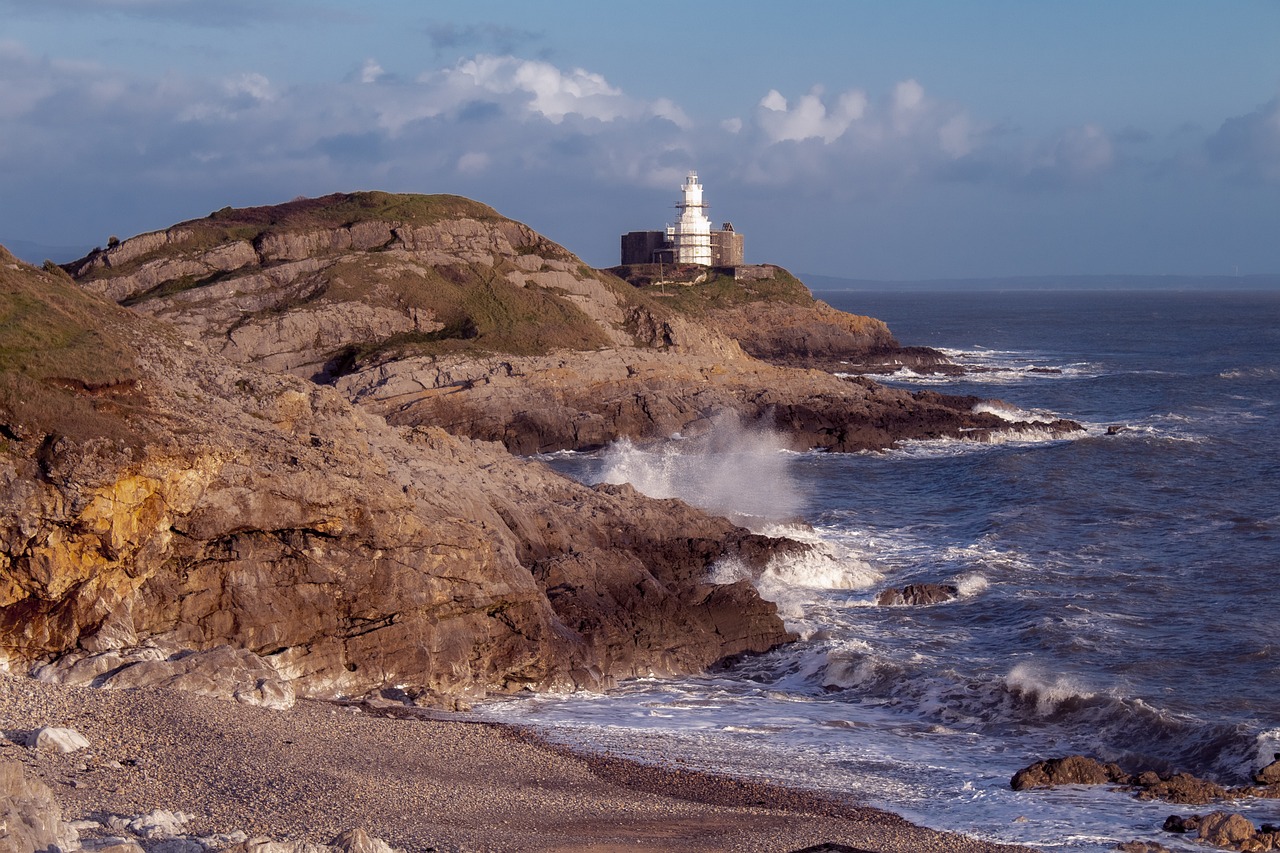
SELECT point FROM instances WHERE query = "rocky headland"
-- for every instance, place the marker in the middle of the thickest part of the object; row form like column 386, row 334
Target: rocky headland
column 267, row 456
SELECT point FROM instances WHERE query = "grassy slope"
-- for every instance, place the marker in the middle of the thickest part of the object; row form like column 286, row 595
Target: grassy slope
column 696, row 300
column 66, row 367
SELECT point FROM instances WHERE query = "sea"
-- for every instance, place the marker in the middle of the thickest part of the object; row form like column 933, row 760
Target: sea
column 1119, row 589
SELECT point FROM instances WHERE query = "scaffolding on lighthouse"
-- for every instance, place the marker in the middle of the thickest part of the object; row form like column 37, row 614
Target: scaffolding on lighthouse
column 690, row 236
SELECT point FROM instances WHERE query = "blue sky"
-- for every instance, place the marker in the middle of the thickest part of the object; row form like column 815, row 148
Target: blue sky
column 898, row 140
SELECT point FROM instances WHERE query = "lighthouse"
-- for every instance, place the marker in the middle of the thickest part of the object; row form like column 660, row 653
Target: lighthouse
column 690, row 237
column 690, row 240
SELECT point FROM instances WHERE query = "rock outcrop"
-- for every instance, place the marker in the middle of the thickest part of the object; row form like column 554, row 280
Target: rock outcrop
column 30, row 818
column 1071, row 770
column 183, row 507
column 1226, row 831
column 1181, row 788
column 157, row 496
column 433, row 310
column 917, row 594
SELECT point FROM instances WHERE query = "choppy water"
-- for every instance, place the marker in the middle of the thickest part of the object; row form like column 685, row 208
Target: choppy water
column 1118, row 592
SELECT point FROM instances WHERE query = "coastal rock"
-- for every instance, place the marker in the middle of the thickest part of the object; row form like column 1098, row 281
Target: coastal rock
column 1071, row 770
column 1229, row 830
column 391, row 298
column 30, row 818
column 210, row 525
column 1269, row 775
column 1181, row 824
column 359, row 841
column 1180, row 788
column 917, row 594
column 1142, row 847
column 222, row 672
column 116, row 844
column 156, row 824
column 57, row 739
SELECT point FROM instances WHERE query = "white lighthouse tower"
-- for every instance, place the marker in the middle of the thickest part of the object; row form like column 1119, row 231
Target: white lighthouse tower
column 690, row 237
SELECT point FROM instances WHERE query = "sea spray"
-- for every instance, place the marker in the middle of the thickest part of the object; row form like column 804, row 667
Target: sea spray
column 737, row 470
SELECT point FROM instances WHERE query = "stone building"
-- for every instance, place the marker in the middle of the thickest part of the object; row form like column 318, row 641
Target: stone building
column 689, row 240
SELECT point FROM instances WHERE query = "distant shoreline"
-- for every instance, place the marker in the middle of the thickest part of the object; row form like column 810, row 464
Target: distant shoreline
column 1223, row 283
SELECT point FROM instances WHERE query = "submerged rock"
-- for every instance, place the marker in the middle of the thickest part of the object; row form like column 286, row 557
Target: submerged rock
column 917, row 594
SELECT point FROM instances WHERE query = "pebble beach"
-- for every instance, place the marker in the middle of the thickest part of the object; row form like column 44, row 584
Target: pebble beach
column 413, row 779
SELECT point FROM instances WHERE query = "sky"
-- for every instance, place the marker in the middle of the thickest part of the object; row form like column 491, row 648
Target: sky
column 876, row 140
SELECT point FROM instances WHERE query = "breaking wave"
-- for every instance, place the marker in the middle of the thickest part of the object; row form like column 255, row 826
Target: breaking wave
column 738, row 471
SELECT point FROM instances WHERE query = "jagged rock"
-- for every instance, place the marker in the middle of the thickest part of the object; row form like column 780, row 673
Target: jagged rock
column 115, row 844
column 159, row 498
column 1269, row 775
column 917, row 594
column 56, row 739
column 1226, row 829
column 30, row 818
column 1180, row 824
column 156, row 824
column 1071, row 770
column 1180, row 788
column 359, row 841
column 1142, row 847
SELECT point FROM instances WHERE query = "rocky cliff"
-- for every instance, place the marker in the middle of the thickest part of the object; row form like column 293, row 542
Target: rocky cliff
column 164, row 506
column 260, row 454
column 434, row 310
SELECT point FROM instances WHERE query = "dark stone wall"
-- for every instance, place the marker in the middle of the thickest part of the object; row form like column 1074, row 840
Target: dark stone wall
column 639, row 247
column 726, row 249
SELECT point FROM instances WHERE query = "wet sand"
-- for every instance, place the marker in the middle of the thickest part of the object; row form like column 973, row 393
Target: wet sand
column 419, row 783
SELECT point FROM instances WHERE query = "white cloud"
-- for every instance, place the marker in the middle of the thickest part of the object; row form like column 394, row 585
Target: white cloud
column 371, row 71
column 501, row 125
column 545, row 89
column 809, row 118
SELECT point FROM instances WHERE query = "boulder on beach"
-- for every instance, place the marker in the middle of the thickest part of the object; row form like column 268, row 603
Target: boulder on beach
column 56, row 739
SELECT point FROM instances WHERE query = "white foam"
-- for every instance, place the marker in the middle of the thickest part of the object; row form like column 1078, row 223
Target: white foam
column 996, row 367
column 1011, row 413
column 733, row 470
column 971, row 584
column 1048, row 691
column 822, row 567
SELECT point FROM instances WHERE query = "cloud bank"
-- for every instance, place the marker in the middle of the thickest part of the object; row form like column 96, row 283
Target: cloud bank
column 492, row 122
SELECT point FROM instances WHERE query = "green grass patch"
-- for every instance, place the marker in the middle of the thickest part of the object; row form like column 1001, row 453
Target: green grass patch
column 65, row 366
column 482, row 313
column 722, row 291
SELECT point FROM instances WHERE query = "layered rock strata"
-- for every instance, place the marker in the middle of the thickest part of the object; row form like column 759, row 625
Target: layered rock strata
column 191, row 504
column 478, row 324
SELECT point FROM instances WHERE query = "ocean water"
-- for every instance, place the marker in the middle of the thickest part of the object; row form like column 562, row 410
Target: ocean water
column 1118, row 593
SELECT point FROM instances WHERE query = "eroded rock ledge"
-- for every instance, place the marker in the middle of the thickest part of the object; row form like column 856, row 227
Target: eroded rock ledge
column 206, row 505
